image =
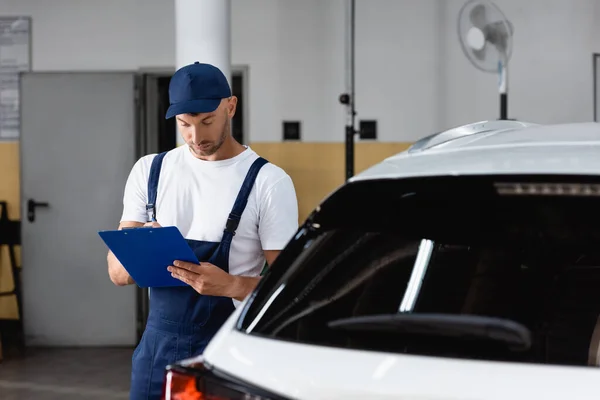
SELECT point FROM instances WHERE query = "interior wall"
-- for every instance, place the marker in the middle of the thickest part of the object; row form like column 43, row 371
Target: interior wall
column 550, row 72
column 9, row 192
column 411, row 74
column 298, row 70
column 75, row 35
column 318, row 168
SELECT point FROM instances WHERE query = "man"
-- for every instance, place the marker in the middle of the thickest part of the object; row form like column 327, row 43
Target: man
column 235, row 210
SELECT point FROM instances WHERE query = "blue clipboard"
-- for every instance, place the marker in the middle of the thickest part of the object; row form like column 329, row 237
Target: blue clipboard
column 147, row 252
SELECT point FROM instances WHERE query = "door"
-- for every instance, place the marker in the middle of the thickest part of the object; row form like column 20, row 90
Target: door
column 78, row 143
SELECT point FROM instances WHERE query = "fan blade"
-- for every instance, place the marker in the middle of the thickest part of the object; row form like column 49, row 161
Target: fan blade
column 497, row 29
column 478, row 16
column 497, row 35
column 478, row 54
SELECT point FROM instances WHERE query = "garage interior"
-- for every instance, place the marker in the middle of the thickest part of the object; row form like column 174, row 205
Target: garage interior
column 326, row 89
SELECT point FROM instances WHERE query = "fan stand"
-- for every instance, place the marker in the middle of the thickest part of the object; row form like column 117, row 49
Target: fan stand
column 503, row 88
column 347, row 98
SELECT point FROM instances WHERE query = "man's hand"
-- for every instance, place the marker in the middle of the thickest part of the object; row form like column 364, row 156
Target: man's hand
column 210, row 280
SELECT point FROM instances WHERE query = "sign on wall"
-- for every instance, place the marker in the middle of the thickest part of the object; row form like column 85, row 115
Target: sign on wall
column 15, row 57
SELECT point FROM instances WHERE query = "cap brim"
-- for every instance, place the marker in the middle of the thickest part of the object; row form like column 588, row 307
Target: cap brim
column 193, row 107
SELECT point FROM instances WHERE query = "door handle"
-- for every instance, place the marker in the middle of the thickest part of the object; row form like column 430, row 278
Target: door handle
column 31, row 206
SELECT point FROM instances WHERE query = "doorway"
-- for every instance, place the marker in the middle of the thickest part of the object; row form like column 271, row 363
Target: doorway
column 238, row 88
column 167, row 131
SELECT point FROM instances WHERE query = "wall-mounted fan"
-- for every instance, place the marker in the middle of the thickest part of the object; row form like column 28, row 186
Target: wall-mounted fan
column 486, row 38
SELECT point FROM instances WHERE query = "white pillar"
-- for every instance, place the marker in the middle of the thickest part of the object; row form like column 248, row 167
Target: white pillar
column 203, row 33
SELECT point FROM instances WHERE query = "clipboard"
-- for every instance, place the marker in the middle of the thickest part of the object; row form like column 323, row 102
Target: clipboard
column 146, row 253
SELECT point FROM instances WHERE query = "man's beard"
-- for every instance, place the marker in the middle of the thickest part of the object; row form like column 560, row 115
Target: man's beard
column 217, row 145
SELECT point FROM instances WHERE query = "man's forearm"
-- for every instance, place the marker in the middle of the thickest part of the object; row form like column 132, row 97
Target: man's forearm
column 242, row 286
column 118, row 275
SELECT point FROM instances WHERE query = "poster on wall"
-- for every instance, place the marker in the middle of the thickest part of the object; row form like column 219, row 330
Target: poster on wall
column 15, row 57
column 9, row 106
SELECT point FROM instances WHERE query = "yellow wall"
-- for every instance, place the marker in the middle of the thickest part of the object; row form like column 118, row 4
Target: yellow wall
column 319, row 168
column 9, row 191
column 316, row 169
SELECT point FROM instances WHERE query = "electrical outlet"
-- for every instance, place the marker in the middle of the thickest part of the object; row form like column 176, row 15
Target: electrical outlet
column 291, row 130
column 368, row 129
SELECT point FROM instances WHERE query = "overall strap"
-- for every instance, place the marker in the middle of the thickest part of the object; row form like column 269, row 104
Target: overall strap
column 153, row 186
column 242, row 197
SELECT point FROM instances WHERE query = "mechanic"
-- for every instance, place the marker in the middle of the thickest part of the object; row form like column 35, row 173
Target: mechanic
column 234, row 208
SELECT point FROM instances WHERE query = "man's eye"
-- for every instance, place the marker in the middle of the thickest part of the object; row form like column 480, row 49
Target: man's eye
column 207, row 122
column 183, row 124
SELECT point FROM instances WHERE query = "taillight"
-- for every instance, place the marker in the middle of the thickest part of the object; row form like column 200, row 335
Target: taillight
column 196, row 382
column 181, row 387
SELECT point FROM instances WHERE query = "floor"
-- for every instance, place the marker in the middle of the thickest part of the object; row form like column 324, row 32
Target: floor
column 66, row 374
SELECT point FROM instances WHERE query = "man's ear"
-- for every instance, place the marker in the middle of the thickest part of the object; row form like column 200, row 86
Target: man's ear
column 232, row 106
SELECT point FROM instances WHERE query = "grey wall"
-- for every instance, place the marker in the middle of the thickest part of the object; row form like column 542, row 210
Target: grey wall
column 411, row 73
column 551, row 77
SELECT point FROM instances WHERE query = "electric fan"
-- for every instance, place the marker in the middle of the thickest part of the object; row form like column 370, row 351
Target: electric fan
column 486, row 39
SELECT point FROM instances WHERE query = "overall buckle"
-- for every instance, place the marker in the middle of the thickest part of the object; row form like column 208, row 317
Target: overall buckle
column 150, row 212
column 232, row 225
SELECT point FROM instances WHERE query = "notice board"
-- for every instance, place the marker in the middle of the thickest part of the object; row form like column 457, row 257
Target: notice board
column 15, row 58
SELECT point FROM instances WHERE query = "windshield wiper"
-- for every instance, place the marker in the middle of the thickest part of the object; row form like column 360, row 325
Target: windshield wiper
column 515, row 335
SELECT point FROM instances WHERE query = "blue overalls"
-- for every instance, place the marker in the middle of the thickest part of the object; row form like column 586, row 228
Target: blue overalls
column 181, row 321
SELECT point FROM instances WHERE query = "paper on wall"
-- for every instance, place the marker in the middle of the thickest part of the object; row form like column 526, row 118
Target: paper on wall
column 14, row 58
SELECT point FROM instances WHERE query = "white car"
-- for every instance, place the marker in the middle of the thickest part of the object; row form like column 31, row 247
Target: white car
column 467, row 267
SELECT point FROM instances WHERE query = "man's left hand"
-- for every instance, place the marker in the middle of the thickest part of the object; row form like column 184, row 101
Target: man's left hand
column 210, row 280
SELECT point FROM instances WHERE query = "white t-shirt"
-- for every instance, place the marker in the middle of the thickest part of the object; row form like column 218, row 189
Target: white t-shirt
column 197, row 196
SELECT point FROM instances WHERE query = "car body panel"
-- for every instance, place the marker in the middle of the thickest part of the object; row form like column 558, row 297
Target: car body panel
column 474, row 130
column 571, row 149
column 301, row 371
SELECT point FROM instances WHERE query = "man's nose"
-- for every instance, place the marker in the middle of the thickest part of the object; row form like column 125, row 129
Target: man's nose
column 195, row 134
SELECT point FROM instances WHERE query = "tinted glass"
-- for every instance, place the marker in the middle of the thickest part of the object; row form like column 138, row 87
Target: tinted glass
column 529, row 260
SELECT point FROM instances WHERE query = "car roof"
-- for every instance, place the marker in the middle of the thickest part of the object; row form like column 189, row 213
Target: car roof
column 498, row 148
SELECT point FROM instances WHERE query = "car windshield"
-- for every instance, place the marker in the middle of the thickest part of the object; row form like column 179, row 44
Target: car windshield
column 481, row 268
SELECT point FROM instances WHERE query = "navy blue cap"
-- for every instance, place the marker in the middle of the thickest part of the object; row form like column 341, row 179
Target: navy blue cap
column 197, row 88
